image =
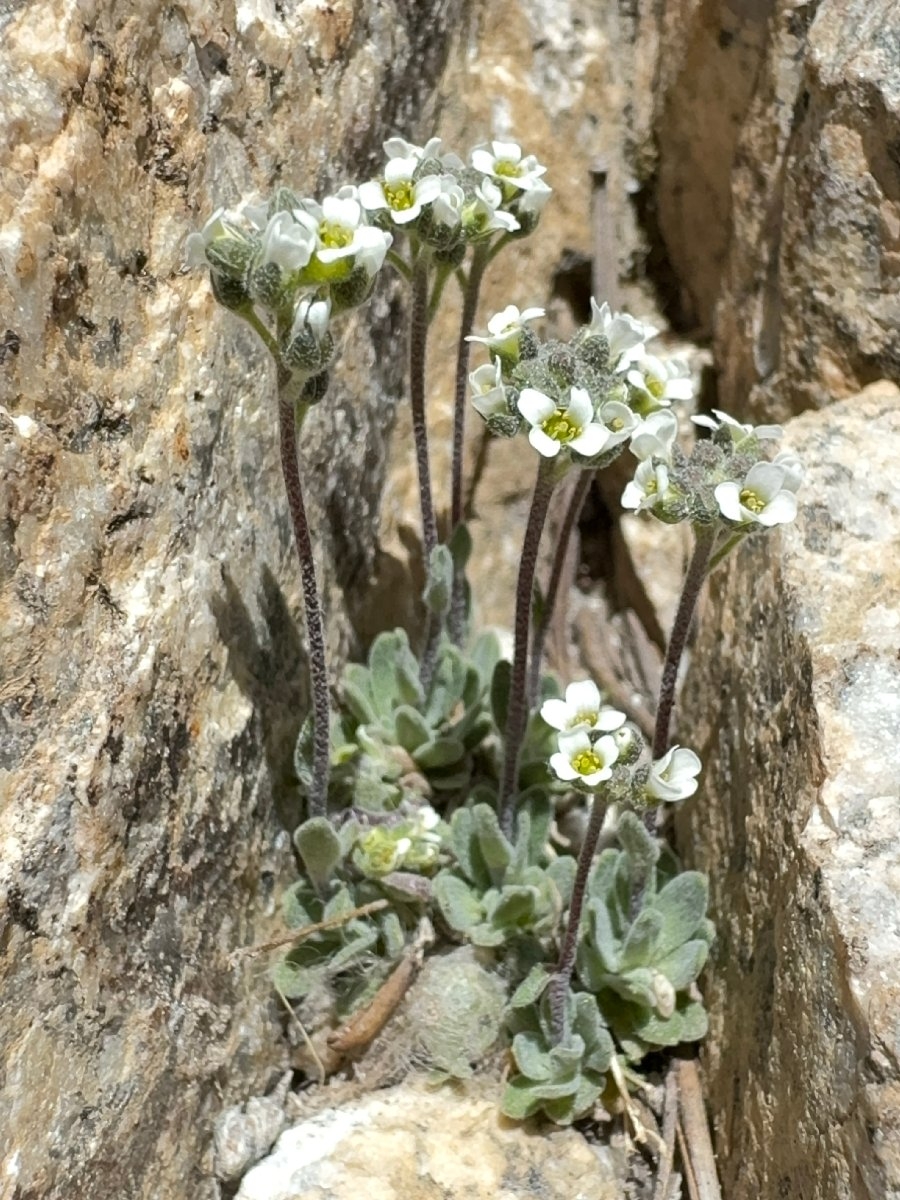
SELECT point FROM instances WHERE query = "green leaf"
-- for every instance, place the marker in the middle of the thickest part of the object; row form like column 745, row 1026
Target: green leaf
column 319, row 847
column 386, row 650
column 682, row 905
column 484, row 656
column 356, row 700
column 532, row 1057
column 641, row 941
column 514, row 909
column 460, row 546
column 412, row 731
column 519, row 1101
column 683, row 965
column 531, row 987
column 501, row 681
column 495, row 849
column 562, row 871
column 293, row 980
column 439, row 581
column 459, row 905
column 689, row 1023
column 440, row 752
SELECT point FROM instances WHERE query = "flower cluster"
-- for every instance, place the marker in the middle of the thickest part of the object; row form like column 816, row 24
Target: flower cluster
column 411, row 845
column 726, row 480
column 296, row 262
column 585, row 399
column 433, row 195
column 594, row 739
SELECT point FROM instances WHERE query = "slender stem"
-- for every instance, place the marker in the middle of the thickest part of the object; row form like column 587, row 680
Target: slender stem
column 704, row 540
column 480, row 260
column 517, row 712
column 562, row 976
column 418, row 343
column 576, row 504
column 318, row 671
column 725, row 549
column 470, row 304
column 443, row 274
column 400, row 264
column 418, row 339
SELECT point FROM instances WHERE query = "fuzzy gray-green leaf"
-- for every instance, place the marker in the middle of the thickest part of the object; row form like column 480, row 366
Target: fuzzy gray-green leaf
column 459, row 906
column 495, row 849
column 412, row 731
column 641, row 941
column 319, row 847
column 439, row 752
column 682, row 904
column 683, row 965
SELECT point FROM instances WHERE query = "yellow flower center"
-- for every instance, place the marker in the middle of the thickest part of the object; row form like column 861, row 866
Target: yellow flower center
column 507, row 168
column 334, row 237
column 750, row 500
column 586, row 762
column 652, row 487
column 400, row 195
column 585, row 717
column 656, row 387
column 560, row 427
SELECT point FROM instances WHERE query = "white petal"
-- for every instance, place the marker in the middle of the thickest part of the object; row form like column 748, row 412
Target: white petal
column 583, row 696
column 555, row 713
column 399, row 170
column 562, row 768
column 765, row 479
column 728, row 498
column 780, row 510
column 509, row 151
column 679, row 389
column 590, row 441
column 574, row 741
column 535, row 407
column 609, row 719
column 427, row 189
column 371, row 195
column 483, row 160
column 545, row 446
column 580, row 410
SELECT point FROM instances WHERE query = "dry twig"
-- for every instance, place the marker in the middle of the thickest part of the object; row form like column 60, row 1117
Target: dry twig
column 297, row 935
column 695, row 1142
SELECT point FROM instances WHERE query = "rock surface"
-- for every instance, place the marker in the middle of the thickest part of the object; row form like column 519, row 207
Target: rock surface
column 794, row 705
column 413, row 1143
column 150, row 678
column 773, row 139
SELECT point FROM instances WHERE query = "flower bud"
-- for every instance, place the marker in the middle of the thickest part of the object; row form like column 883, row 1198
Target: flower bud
column 230, row 293
column 314, row 389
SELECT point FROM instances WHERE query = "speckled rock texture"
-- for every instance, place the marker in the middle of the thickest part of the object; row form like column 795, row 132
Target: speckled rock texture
column 413, row 1143
column 152, row 663
column 778, row 189
column 794, row 704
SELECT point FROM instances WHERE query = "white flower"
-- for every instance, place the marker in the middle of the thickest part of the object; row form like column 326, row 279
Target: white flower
column 287, row 242
column 626, row 336
column 738, row 431
column 649, row 486
column 397, row 147
column 532, row 201
column 674, row 776
column 765, row 496
column 485, row 214
column 619, row 419
column 581, row 709
column 372, row 245
column 504, row 161
column 489, row 395
column 505, row 329
column 335, row 224
column 448, row 204
column 578, row 758
column 311, row 314
column 403, row 196
column 660, row 380
column 222, row 227
column 792, row 467
column 553, row 427
column 655, row 436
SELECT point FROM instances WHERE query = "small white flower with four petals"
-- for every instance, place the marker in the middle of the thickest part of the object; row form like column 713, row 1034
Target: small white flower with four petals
column 505, row 162
column 584, row 761
column 674, row 776
column 649, row 486
column 505, row 329
column 403, row 196
column 581, row 709
column 553, row 427
column 764, row 497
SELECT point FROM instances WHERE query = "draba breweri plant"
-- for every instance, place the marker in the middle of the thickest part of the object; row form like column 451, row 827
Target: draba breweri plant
column 431, row 786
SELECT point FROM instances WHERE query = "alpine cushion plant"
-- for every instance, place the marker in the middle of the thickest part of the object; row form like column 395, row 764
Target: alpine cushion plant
column 432, row 783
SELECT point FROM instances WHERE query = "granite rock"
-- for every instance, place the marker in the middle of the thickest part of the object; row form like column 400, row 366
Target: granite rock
column 794, row 704
column 152, row 663
column 415, row 1143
